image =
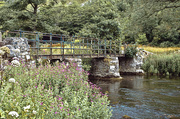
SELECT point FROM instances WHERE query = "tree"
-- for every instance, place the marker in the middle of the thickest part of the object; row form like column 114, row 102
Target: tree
column 24, row 14
column 104, row 20
column 156, row 18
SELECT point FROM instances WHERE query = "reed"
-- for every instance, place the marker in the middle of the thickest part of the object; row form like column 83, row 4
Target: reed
column 163, row 64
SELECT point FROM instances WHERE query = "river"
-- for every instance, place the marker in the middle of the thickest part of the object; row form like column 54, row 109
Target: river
column 140, row 97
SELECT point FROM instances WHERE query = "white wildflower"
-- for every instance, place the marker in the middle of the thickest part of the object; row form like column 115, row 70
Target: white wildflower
column 16, row 50
column 2, row 52
column 34, row 112
column 12, row 80
column 26, row 108
column 28, row 57
column 15, row 63
column 13, row 113
column 6, row 61
column 5, row 67
column 15, row 58
column 39, row 60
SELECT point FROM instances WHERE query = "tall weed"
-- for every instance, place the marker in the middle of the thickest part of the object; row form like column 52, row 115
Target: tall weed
column 163, row 64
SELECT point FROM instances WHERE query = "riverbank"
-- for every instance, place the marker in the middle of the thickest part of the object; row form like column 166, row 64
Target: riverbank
column 52, row 91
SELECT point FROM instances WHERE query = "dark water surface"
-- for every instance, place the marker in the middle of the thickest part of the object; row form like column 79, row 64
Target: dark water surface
column 143, row 98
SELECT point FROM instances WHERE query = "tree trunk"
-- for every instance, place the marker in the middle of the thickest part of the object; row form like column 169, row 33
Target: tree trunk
column 35, row 15
column 149, row 36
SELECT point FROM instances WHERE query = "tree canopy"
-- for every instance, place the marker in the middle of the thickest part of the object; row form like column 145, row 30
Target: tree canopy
column 154, row 22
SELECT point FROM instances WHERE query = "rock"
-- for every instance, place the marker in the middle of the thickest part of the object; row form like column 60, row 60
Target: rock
column 126, row 117
column 0, row 37
column 133, row 65
column 76, row 60
column 105, row 68
column 18, row 46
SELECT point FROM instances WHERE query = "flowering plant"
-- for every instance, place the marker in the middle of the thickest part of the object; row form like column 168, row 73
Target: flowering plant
column 5, row 49
column 51, row 91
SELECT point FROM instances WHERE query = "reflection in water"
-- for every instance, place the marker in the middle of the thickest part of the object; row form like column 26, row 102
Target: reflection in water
column 142, row 98
column 132, row 82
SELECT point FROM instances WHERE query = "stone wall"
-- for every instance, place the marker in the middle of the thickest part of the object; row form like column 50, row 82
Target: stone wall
column 133, row 65
column 129, row 66
column 18, row 47
column 105, row 68
column 78, row 61
column 0, row 37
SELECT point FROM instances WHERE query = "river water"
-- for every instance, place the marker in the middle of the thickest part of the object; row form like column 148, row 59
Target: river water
column 140, row 97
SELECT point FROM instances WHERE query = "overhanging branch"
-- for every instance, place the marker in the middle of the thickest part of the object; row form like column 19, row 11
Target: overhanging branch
column 166, row 7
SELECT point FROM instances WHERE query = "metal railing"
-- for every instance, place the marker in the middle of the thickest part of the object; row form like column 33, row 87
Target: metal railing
column 53, row 46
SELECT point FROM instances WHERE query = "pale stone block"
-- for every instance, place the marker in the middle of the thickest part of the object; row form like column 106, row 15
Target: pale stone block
column 0, row 37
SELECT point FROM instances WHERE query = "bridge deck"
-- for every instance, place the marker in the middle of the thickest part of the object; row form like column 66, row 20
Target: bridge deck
column 57, row 46
column 74, row 56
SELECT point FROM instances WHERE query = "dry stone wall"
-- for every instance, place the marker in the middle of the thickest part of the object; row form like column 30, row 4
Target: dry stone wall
column 133, row 65
column 18, row 47
column 105, row 68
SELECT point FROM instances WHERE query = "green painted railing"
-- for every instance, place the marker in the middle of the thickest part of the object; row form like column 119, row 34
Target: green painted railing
column 48, row 45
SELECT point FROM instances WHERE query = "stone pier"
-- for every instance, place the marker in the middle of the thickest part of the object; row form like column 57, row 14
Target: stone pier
column 132, row 66
column 0, row 37
column 1, row 42
column 76, row 60
column 105, row 68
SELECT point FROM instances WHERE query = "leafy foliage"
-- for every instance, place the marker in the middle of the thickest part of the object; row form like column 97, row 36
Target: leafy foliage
column 152, row 22
column 158, row 20
column 163, row 64
column 58, row 91
column 131, row 51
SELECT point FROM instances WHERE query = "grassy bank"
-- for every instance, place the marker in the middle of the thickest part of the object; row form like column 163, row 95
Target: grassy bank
column 158, row 49
column 163, row 64
column 50, row 92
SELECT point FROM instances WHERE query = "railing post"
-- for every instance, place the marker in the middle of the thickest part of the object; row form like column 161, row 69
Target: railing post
column 91, row 48
column 71, row 48
column 20, row 33
column 63, row 49
column 105, row 48
column 80, row 47
column 125, row 46
column 73, row 45
column 83, row 48
column 115, row 49
column 110, row 47
column 0, row 36
column 94, row 46
column 98, row 47
column 87, row 43
column 61, row 44
column 37, row 44
column 119, row 48
column 50, row 45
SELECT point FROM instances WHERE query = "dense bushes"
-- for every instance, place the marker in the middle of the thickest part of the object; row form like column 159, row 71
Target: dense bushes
column 131, row 50
column 163, row 64
column 57, row 92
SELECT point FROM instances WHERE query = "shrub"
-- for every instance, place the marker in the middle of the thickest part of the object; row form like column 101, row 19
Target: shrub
column 163, row 64
column 57, row 91
column 86, row 64
column 131, row 51
column 141, row 39
column 167, row 44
